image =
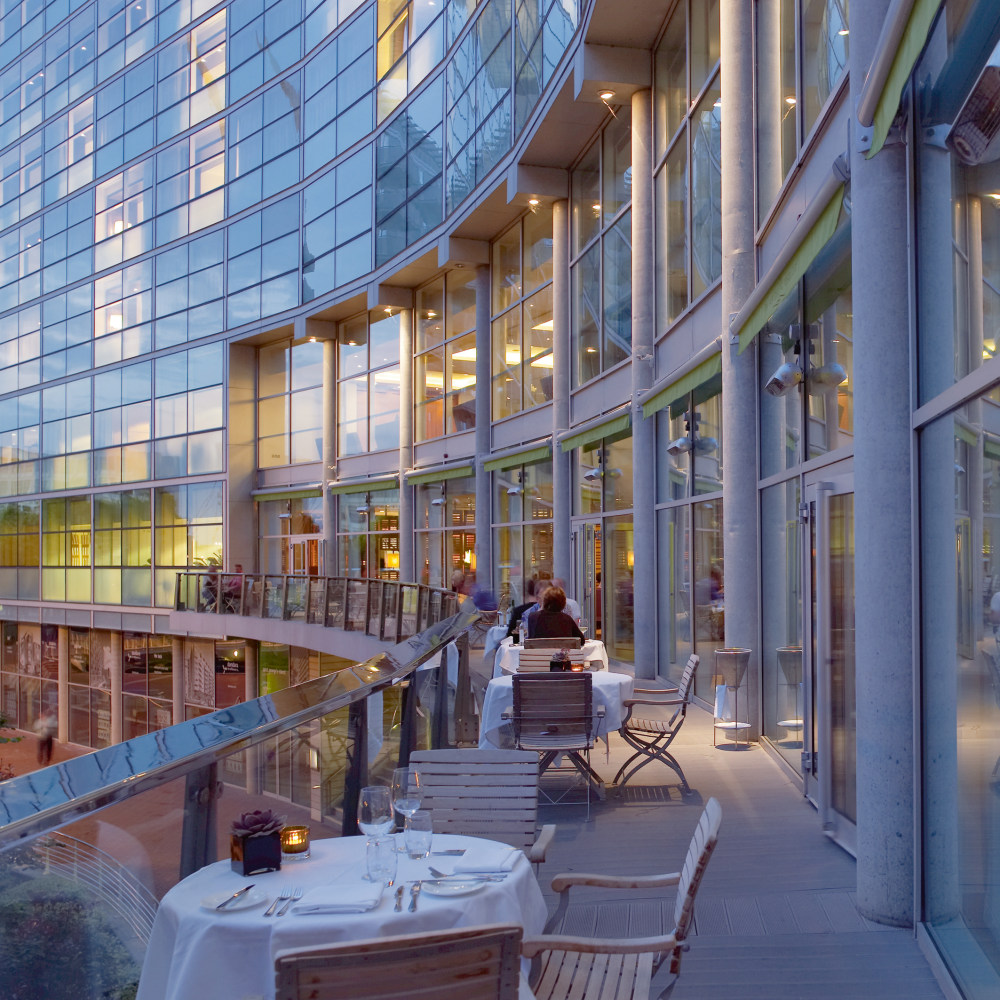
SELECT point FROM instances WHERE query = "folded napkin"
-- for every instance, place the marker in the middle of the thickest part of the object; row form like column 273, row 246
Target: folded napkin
column 486, row 858
column 342, row 896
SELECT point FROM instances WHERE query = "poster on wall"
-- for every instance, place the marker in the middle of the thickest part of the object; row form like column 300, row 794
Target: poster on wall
column 50, row 652
column 79, row 655
column 100, row 660
column 9, row 660
column 199, row 672
column 29, row 650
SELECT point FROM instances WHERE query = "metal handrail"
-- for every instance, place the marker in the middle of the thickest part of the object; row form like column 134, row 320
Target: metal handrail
column 387, row 609
column 44, row 800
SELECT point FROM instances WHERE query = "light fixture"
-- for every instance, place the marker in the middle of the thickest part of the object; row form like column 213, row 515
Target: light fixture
column 513, row 491
column 592, row 475
column 790, row 101
column 786, row 378
column 679, row 446
column 827, row 377
column 606, row 95
column 439, row 501
column 362, row 510
column 976, row 126
column 533, row 204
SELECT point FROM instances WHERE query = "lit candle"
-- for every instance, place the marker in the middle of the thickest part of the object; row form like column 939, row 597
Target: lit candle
column 295, row 842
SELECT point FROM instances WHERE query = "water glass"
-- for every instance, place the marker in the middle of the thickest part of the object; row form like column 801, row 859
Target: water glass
column 380, row 854
column 418, row 834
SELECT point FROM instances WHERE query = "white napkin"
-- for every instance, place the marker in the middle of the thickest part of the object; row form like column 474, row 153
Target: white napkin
column 342, row 896
column 486, row 858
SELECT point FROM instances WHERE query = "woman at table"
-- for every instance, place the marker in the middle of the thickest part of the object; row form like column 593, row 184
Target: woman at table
column 551, row 621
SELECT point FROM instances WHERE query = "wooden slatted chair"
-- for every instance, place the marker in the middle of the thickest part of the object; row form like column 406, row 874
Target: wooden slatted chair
column 485, row 793
column 622, row 968
column 650, row 738
column 475, row 963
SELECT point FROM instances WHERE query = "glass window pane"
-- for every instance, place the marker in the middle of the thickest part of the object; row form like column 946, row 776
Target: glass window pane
column 671, row 239
column 617, row 163
column 507, row 364
column 538, row 348
column 506, row 271
column 670, row 94
column 706, row 192
column 586, row 277
column 618, row 292
column 537, row 265
column 586, row 198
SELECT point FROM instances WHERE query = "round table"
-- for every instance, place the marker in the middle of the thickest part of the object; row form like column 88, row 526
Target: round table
column 229, row 955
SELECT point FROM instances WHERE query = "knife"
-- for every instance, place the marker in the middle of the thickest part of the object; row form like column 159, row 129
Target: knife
column 234, row 896
column 456, row 852
column 414, row 894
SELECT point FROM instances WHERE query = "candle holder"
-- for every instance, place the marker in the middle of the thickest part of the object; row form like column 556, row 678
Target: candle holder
column 295, row 843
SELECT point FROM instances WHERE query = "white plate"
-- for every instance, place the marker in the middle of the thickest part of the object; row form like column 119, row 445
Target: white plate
column 252, row 898
column 456, row 887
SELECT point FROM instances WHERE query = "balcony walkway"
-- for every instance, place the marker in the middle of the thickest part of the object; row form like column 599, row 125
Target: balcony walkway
column 775, row 918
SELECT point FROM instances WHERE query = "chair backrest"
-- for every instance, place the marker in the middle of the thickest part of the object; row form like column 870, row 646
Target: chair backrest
column 475, row 963
column 687, row 678
column 703, row 842
column 553, row 711
column 481, row 793
column 534, row 660
column 569, row 642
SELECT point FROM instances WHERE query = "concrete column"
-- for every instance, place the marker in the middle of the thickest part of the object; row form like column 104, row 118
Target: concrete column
column 562, row 364
column 643, row 336
column 116, row 687
column 882, row 531
column 739, row 377
column 406, row 567
column 63, row 682
column 484, row 416
column 939, row 582
column 329, row 455
column 177, row 677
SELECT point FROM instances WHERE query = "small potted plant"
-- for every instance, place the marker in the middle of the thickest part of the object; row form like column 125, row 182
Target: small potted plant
column 256, row 842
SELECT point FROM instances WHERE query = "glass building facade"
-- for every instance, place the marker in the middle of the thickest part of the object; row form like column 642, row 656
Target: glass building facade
column 443, row 291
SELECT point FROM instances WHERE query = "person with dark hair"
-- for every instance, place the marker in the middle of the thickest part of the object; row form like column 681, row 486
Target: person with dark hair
column 551, row 621
column 533, row 592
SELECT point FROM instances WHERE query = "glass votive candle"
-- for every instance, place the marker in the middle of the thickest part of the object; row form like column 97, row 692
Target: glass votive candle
column 295, row 843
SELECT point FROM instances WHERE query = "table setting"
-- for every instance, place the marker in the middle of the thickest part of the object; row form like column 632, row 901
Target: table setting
column 198, row 947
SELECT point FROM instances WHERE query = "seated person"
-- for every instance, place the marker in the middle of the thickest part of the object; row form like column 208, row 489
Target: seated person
column 533, row 589
column 551, row 622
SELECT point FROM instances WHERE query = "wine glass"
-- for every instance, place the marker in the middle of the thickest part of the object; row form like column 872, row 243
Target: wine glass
column 374, row 812
column 583, row 625
column 406, row 792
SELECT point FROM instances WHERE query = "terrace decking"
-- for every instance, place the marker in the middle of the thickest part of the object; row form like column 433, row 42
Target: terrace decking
column 775, row 916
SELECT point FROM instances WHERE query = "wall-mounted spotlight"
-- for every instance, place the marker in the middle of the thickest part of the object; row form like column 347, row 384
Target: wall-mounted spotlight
column 827, row 377
column 786, row 378
column 679, row 446
column 439, row 501
column 363, row 509
column 592, row 475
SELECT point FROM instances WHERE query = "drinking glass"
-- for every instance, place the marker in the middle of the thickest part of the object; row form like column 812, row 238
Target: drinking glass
column 374, row 812
column 380, row 855
column 418, row 834
column 406, row 792
column 583, row 625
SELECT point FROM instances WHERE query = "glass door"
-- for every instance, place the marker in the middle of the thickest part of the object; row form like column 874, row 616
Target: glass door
column 301, row 555
column 589, row 575
column 829, row 745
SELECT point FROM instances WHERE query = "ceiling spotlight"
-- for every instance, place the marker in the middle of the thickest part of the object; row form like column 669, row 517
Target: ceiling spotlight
column 606, row 95
column 786, row 378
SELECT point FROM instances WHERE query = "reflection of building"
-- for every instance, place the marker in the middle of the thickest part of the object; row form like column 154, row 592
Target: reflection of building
column 509, row 289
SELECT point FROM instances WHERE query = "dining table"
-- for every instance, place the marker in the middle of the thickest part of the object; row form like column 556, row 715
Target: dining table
column 610, row 690
column 508, row 655
column 197, row 950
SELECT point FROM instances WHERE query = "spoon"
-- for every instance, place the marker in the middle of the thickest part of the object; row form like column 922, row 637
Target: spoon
column 399, row 898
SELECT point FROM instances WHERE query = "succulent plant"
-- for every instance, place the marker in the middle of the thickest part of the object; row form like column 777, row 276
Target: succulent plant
column 258, row 823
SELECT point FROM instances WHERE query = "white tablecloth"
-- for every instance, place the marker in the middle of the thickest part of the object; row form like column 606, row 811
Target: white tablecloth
column 194, row 952
column 508, row 655
column 494, row 637
column 610, row 689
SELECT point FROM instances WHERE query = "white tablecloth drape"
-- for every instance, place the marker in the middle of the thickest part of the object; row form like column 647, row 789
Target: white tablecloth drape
column 197, row 952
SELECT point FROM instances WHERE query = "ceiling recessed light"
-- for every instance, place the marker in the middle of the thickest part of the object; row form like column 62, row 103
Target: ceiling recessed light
column 533, row 202
column 606, row 95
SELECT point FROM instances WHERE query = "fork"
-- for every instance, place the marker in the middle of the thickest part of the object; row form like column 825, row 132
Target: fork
column 471, row 876
column 285, row 893
column 296, row 894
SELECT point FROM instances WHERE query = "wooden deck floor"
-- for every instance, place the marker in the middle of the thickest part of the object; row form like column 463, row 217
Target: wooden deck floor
column 776, row 915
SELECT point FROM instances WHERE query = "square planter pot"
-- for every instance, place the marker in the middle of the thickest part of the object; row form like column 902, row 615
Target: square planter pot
column 253, row 855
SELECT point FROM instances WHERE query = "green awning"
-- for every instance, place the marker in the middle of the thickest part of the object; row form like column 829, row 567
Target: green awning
column 680, row 387
column 966, row 434
column 525, row 457
column 439, row 475
column 607, row 429
column 364, row 485
column 910, row 46
column 784, row 284
column 289, row 493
